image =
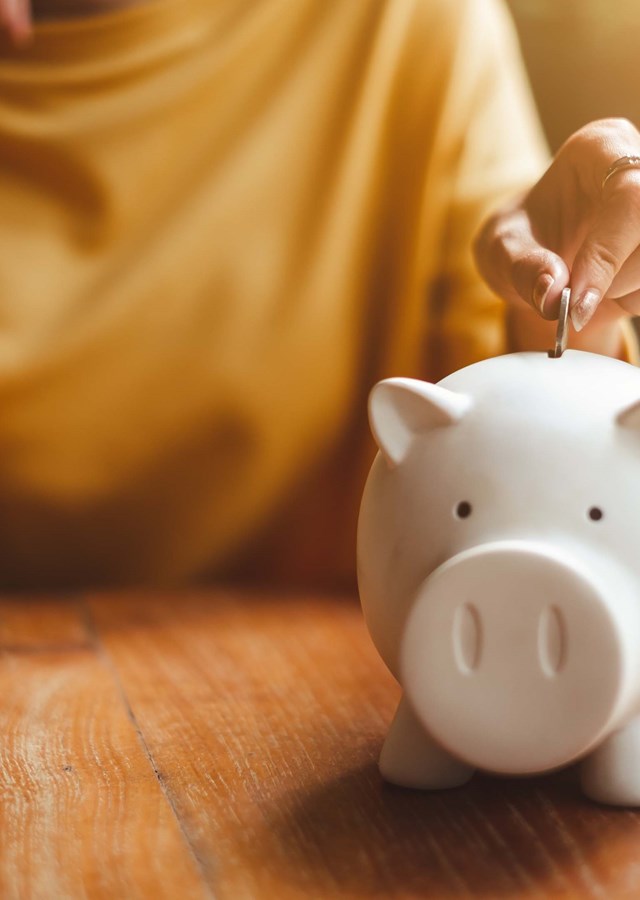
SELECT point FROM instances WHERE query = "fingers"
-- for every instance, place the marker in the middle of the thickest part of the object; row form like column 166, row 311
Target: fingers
column 630, row 303
column 15, row 19
column 595, row 230
column 539, row 277
column 609, row 244
column 516, row 266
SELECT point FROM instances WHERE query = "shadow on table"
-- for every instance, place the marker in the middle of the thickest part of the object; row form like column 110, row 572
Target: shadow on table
column 493, row 837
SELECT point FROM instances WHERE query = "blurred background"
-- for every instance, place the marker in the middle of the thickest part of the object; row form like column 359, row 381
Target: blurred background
column 583, row 59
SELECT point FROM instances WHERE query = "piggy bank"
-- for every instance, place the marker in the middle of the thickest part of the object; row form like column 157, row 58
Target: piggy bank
column 499, row 570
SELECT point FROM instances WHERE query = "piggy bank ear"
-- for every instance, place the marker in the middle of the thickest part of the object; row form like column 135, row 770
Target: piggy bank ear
column 629, row 417
column 401, row 408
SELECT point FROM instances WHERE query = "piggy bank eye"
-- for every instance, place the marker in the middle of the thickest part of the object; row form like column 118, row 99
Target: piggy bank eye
column 463, row 510
column 595, row 513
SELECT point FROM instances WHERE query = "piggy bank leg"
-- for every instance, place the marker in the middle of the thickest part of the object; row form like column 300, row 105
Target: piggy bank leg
column 611, row 774
column 410, row 758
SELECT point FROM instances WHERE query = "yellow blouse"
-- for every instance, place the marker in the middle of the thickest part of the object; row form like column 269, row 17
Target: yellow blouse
column 221, row 221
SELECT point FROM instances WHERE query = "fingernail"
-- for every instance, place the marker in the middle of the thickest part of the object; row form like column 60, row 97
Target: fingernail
column 584, row 309
column 541, row 291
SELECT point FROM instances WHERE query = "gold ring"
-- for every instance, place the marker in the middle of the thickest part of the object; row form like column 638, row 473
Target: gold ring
column 624, row 162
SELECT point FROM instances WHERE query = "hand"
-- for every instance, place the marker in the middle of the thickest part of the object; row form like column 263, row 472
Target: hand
column 15, row 19
column 569, row 230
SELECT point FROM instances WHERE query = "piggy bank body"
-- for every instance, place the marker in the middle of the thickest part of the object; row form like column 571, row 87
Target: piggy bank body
column 499, row 570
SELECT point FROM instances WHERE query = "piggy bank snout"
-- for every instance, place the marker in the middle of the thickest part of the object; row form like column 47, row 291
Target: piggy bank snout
column 517, row 659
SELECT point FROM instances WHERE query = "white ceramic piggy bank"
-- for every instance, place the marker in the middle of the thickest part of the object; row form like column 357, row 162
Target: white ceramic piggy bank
column 499, row 570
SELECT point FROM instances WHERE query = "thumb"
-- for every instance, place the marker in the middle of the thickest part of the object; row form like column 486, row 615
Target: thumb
column 517, row 267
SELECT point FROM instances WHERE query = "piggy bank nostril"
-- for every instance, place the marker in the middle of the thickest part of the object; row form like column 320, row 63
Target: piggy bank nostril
column 552, row 641
column 467, row 638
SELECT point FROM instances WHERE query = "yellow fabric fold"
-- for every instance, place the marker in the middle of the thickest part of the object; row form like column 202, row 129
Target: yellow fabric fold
column 220, row 223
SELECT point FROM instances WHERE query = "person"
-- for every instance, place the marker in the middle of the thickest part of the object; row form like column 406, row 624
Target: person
column 221, row 223
column 578, row 226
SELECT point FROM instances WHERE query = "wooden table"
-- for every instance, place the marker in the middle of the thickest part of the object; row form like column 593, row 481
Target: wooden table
column 224, row 744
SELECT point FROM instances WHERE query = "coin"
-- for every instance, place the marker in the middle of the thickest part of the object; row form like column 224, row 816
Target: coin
column 562, row 333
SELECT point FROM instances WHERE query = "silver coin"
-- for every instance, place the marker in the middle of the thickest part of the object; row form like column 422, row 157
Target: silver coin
column 562, row 333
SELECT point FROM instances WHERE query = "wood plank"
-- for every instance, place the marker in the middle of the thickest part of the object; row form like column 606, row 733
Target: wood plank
column 265, row 715
column 31, row 624
column 82, row 813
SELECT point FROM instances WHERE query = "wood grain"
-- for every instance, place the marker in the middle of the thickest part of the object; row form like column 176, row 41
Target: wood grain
column 264, row 716
column 82, row 813
column 224, row 744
